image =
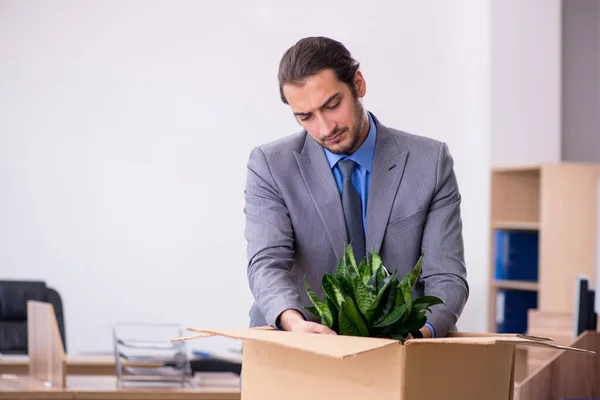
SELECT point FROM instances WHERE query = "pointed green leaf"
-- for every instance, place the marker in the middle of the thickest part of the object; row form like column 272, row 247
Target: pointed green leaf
column 424, row 302
column 350, row 321
column 393, row 317
column 381, row 275
column 342, row 269
column 414, row 322
column 332, row 291
column 399, row 296
column 370, row 312
column 313, row 310
column 406, row 289
column 409, row 281
column 375, row 262
column 324, row 310
column 364, row 270
column 387, row 304
column 350, row 261
column 413, row 276
column 334, row 313
column 342, row 277
column 364, row 298
column 372, row 284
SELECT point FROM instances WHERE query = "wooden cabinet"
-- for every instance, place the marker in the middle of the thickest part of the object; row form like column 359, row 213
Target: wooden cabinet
column 559, row 202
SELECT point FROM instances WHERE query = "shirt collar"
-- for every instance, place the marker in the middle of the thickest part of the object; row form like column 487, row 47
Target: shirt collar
column 364, row 155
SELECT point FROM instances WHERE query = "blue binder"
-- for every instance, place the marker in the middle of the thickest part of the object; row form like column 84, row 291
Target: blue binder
column 512, row 308
column 516, row 255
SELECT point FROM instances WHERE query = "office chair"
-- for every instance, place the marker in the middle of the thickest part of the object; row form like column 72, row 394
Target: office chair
column 13, row 313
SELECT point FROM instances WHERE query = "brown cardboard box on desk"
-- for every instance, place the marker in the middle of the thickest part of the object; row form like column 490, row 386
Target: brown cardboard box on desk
column 286, row 365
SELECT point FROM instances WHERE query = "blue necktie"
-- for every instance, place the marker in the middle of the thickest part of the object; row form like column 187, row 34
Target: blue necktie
column 352, row 206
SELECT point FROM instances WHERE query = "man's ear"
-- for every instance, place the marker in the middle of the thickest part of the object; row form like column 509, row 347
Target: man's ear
column 360, row 84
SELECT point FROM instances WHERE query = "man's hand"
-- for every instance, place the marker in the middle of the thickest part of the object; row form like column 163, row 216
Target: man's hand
column 292, row 321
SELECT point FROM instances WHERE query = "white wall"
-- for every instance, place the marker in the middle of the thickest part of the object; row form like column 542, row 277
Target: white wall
column 125, row 129
column 526, row 82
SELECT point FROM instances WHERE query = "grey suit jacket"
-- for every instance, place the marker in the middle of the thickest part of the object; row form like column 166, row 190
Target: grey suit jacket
column 295, row 223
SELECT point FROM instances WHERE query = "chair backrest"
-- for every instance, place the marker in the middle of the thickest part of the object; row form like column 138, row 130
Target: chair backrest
column 14, row 296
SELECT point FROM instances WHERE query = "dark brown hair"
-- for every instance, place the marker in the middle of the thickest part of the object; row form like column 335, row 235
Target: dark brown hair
column 311, row 55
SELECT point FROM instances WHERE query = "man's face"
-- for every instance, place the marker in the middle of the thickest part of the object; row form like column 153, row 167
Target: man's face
column 329, row 112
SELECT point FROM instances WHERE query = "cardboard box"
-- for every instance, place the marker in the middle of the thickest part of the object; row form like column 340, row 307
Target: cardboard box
column 566, row 375
column 296, row 366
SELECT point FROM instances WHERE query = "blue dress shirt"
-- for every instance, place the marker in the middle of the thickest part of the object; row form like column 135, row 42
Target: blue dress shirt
column 361, row 177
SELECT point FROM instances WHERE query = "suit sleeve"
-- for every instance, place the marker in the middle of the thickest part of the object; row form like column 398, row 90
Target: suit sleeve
column 443, row 270
column 270, row 242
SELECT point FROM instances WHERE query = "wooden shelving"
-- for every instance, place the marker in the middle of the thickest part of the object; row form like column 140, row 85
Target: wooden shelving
column 516, row 285
column 558, row 201
column 516, row 225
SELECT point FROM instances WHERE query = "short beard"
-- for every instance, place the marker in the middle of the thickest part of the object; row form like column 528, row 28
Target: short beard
column 356, row 133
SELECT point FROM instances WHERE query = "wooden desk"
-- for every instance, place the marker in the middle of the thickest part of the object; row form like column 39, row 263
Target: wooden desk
column 105, row 387
column 16, row 387
column 76, row 365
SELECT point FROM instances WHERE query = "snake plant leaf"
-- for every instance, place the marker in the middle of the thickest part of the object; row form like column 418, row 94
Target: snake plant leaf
column 376, row 262
column 323, row 308
column 351, row 267
column 364, row 270
column 314, row 311
column 425, row 302
column 387, row 304
column 381, row 276
column 406, row 290
column 332, row 291
column 414, row 322
column 350, row 320
column 372, row 284
column 399, row 296
column 409, row 280
column 413, row 276
column 369, row 314
column 364, row 298
column 341, row 269
column 343, row 278
column 392, row 317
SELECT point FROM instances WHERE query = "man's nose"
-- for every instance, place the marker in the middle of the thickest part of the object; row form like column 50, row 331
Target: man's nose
column 326, row 127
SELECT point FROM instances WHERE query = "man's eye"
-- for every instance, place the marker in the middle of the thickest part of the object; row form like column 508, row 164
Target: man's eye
column 333, row 107
column 305, row 118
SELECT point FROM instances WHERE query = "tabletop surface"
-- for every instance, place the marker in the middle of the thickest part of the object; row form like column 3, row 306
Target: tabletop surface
column 206, row 387
column 71, row 360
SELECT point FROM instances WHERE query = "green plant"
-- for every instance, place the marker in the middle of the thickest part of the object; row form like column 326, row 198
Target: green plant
column 365, row 300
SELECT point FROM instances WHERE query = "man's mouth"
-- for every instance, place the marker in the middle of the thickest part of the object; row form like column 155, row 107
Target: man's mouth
column 335, row 138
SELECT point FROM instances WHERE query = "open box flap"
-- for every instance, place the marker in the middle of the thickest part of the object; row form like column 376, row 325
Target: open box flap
column 336, row 346
column 478, row 334
column 493, row 339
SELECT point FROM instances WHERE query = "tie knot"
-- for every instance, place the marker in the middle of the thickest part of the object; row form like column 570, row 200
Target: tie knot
column 347, row 167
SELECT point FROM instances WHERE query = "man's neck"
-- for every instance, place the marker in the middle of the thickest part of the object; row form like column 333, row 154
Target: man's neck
column 363, row 134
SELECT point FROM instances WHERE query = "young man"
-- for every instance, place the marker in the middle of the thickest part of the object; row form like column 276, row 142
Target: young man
column 347, row 178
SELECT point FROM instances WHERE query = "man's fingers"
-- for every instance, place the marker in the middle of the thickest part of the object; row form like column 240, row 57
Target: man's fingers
column 322, row 329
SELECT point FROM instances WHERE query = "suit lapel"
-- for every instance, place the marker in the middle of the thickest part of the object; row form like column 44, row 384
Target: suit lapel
column 324, row 193
column 388, row 168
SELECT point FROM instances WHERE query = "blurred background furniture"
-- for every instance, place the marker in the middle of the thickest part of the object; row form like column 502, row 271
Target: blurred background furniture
column 543, row 236
column 566, row 375
column 13, row 312
column 144, row 353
